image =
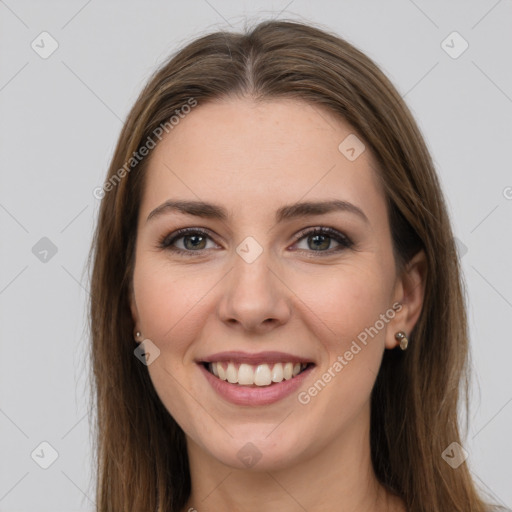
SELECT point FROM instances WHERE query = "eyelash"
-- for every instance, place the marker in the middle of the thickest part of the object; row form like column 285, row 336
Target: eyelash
column 345, row 243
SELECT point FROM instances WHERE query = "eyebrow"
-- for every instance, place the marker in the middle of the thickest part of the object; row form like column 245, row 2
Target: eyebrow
column 292, row 211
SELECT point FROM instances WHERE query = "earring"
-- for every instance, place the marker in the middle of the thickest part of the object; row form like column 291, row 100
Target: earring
column 138, row 334
column 402, row 338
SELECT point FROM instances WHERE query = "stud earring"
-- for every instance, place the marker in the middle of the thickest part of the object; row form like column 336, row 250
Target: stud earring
column 402, row 338
column 138, row 334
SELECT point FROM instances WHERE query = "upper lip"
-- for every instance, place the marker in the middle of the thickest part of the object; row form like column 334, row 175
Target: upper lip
column 258, row 357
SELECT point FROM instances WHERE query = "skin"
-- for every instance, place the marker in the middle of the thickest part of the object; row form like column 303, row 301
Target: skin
column 253, row 158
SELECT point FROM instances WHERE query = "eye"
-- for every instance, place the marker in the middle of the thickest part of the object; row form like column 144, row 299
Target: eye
column 193, row 240
column 319, row 239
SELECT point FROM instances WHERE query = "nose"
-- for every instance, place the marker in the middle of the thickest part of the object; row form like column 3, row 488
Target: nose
column 254, row 297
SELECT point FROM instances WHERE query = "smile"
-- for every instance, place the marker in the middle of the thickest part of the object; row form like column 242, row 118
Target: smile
column 257, row 379
column 263, row 374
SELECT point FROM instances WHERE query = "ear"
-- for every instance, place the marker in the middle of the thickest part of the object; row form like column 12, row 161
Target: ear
column 409, row 292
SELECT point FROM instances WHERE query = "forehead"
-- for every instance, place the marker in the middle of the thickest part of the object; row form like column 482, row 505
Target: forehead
column 246, row 154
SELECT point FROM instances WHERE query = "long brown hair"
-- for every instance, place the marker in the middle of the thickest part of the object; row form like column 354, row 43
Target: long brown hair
column 141, row 452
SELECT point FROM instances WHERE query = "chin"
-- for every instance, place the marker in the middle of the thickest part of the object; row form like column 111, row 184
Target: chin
column 257, row 449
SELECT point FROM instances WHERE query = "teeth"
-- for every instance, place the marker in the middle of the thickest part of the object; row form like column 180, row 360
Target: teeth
column 245, row 374
column 277, row 373
column 259, row 375
column 288, row 371
column 220, row 370
column 231, row 373
column 262, row 375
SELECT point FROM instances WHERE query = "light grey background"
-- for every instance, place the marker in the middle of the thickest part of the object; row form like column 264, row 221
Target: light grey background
column 60, row 119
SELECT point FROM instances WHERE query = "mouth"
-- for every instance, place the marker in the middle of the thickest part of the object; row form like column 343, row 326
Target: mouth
column 255, row 375
column 258, row 379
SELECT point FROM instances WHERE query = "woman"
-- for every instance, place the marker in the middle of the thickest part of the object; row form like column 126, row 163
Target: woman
column 277, row 311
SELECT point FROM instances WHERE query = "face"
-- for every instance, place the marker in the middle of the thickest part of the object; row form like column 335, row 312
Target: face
column 261, row 287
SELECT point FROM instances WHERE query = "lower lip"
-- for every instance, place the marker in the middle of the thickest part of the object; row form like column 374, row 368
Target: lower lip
column 264, row 395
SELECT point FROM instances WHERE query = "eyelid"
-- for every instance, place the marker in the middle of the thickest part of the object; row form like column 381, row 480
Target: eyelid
column 168, row 239
column 342, row 239
column 322, row 230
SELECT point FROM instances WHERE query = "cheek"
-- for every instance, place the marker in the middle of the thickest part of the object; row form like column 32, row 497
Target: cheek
column 346, row 307
column 169, row 302
column 347, row 299
column 171, row 306
column 350, row 307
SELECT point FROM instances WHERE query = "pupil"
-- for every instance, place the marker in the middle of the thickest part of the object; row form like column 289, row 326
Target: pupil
column 323, row 239
column 194, row 244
